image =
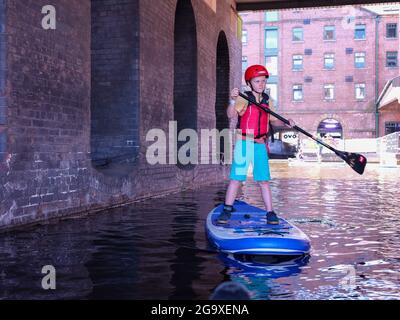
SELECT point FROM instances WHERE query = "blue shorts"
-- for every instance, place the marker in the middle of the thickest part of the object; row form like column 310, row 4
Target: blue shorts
column 246, row 152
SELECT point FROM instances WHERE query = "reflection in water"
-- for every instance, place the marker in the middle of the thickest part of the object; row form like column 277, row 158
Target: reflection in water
column 157, row 249
column 257, row 273
column 183, row 226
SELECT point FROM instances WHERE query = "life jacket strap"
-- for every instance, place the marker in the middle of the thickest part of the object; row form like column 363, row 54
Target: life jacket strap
column 254, row 137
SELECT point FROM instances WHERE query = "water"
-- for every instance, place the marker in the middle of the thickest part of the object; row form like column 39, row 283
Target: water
column 157, row 249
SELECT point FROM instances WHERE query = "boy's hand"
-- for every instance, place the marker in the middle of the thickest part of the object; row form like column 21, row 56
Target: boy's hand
column 234, row 93
column 291, row 123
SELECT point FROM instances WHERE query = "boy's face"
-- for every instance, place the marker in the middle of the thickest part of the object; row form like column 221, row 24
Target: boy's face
column 258, row 84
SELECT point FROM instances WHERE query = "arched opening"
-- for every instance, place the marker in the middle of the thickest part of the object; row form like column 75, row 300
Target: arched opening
column 185, row 73
column 330, row 128
column 222, row 90
column 114, row 85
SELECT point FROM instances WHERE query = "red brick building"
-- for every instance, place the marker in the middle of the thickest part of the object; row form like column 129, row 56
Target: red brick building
column 328, row 66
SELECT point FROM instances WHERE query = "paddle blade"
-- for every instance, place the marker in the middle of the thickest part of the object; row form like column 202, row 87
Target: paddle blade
column 356, row 161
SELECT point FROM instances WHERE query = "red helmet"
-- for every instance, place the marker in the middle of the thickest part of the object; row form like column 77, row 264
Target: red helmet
column 255, row 71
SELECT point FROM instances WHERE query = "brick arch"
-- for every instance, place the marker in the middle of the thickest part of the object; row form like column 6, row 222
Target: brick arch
column 185, row 70
column 336, row 117
column 222, row 86
column 114, row 83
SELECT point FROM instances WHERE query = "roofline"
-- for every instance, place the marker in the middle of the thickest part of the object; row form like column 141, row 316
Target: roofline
column 285, row 4
column 385, row 89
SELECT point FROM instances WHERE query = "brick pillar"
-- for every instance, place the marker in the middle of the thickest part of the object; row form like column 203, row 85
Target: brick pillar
column 115, row 81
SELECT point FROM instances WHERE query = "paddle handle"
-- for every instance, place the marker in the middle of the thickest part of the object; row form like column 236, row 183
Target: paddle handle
column 288, row 123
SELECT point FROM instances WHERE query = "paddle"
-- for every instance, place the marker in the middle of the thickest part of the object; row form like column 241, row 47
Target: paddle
column 356, row 161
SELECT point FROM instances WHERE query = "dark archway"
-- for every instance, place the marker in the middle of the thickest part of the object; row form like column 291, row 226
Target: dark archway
column 222, row 89
column 185, row 71
column 114, row 84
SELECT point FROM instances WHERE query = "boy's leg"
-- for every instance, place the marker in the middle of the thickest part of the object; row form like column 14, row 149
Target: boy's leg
column 243, row 153
column 263, row 176
column 266, row 194
column 232, row 192
column 230, row 197
column 272, row 218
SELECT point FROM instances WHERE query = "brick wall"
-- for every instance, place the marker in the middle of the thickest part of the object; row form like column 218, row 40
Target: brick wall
column 48, row 74
column 55, row 83
column 157, row 110
column 385, row 45
column 388, row 113
column 356, row 116
column 3, row 97
column 115, row 81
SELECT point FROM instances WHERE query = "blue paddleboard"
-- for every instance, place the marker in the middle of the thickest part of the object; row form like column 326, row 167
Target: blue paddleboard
column 247, row 232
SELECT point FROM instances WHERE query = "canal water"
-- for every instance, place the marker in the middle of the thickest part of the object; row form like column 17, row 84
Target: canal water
column 157, row 249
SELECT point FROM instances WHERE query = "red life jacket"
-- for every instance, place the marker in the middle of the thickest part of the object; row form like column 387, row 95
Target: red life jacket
column 255, row 119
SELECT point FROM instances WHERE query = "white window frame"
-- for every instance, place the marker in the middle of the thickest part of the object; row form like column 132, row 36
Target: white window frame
column 360, row 91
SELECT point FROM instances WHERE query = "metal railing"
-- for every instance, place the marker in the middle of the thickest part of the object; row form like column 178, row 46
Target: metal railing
column 389, row 143
column 388, row 149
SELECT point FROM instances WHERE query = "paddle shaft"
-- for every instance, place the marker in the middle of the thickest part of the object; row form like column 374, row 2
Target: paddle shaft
column 288, row 123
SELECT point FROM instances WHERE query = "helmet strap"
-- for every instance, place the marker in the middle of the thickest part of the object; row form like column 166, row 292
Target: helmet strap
column 251, row 87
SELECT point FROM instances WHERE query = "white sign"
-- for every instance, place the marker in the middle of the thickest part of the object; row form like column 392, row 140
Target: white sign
column 290, row 137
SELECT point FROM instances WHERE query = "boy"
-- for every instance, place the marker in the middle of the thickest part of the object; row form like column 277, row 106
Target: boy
column 251, row 144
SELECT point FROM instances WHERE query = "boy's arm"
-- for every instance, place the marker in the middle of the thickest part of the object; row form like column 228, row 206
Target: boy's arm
column 276, row 122
column 241, row 105
column 237, row 104
column 231, row 112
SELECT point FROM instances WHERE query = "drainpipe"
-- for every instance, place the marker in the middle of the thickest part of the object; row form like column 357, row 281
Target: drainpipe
column 377, row 20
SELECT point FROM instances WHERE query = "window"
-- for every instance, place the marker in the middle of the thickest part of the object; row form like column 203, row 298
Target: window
column 359, row 31
column 391, row 30
column 329, row 92
column 297, row 92
column 308, row 79
column 308, row 52
column 329, row 33
column 297, row 62
column 391, row 127
column 329, row 61
column 244, row 37
column 297, row 34
column 272, row 91
column 244, row 63
column 359, row 59
column 349, row 50
column 271, row 63
column 271, row 16
column 391, row 59
column 360, row 91
column 271, row 39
